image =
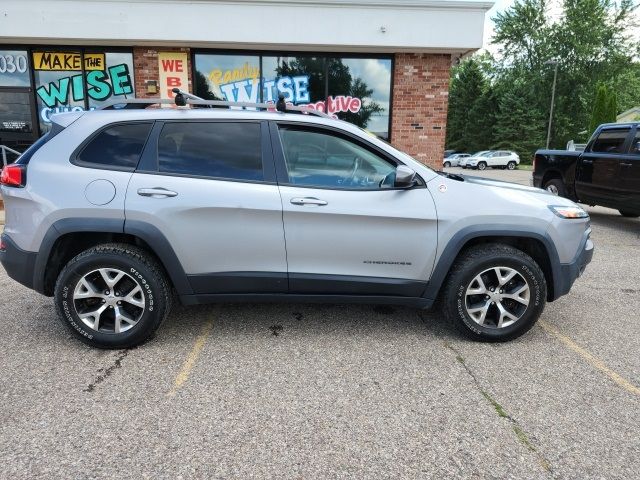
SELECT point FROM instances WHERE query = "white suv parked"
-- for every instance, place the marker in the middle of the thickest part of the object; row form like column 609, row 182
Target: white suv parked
column 499, row 159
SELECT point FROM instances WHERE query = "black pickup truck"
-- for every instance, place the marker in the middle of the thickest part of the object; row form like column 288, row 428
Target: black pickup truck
column 606, row 173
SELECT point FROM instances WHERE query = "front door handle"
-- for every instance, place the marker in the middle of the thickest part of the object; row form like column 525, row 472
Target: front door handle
column 587, row 160
column 625, row 164
column 308, row 201
column 157, row 192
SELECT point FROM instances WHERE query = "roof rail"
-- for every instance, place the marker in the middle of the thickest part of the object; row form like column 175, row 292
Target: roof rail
column 184, row 99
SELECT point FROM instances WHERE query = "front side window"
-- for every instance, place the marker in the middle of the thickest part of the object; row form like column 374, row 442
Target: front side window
column 610, row 141
column 224, row 150
column 322, row 159
column 118, row 146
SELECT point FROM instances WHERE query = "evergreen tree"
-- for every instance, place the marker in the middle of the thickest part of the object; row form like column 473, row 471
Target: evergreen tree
column 600, row 113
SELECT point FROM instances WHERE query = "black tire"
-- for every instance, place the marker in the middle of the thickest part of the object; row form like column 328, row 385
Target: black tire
column 511, row 165
column 472, row 263
column 464, row 167
column 482, row 165
column 140, row 269
column 447, row 164
column 629, row 214
column 556, row 187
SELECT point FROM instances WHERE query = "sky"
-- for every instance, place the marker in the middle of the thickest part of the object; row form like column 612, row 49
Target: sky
column 499, row 6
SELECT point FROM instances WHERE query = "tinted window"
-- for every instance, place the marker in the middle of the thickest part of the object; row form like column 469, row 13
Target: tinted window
column 610, row 141
column 117, row 146
column 635, row 147
column 321, row 159
column 211, row 149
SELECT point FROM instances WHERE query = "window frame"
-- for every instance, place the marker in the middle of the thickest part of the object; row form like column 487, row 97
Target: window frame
column 281, row 164
column 149, row 162
column 75, row 160
column 625, row 145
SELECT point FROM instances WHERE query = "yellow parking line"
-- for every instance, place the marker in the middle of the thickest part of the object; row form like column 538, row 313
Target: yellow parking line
column 592, row 360
column 191, row 359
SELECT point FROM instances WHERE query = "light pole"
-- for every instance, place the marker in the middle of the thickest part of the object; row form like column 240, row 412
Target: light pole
column 553, row 96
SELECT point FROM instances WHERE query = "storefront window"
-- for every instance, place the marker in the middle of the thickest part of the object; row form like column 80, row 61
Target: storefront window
column 233, row 78
column 70, row 81
column 15, row 113
column 360, row 92
column 14, row 68
column 357, row 90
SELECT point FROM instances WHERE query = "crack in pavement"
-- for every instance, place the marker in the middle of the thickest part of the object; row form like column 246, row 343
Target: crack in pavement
column 521, row 435
column 107, row 372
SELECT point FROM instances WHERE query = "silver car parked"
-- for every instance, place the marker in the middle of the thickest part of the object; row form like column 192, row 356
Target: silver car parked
column 454, row 159
column 117, row 212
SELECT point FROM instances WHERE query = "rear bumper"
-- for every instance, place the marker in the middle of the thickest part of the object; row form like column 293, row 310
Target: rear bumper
column 569, row 272
column 19, row 264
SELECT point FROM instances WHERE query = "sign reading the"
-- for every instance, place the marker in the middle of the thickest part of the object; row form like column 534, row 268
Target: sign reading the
column 64, row 61
column 173, row 73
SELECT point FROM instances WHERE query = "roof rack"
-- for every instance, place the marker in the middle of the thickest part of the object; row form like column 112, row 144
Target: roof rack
column 183, row 99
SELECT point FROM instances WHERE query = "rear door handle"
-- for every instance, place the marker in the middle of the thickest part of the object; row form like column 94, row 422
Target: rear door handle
column 308, row 201
column 587, row 160
column 157, row 192
column 625, row 164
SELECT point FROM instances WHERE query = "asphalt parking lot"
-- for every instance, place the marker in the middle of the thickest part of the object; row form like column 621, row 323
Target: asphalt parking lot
column 317, row 391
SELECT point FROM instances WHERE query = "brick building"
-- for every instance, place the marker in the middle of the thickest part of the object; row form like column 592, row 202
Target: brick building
column 382, row 64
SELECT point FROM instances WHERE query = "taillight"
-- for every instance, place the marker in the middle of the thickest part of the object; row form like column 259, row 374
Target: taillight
column 13, row 176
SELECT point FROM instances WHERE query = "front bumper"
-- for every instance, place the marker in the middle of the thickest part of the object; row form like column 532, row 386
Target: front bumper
column 19, row 264
column 569, row 272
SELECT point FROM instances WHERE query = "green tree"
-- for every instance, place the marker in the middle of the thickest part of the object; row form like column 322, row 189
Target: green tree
column 468, row 87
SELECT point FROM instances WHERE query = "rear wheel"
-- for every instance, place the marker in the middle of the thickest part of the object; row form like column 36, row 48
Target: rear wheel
column 629, row 214
column 511, row 165
column 482, row 165
column 556, row 187
column 494, row 293
column 447, row 164
column 112, row 296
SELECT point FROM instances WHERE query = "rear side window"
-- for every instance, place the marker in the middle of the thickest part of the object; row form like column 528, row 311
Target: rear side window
column 211, row 149
column 118, row 146
column 610, row 141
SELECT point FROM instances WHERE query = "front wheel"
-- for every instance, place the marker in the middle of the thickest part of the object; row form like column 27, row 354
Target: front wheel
column 494, row 293
column 482, row 166
column 511, row 165
column 629, row 214
column 447, row 164
column 112, row 296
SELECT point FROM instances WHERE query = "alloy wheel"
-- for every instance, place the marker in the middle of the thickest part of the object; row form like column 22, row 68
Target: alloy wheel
column 551, row 188
column 497, row 297
column 109, row 300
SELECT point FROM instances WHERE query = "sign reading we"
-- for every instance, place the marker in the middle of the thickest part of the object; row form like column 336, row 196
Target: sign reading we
column 173, row 73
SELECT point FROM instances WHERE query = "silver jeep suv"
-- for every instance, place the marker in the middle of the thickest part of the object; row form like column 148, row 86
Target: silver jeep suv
column 117, row 212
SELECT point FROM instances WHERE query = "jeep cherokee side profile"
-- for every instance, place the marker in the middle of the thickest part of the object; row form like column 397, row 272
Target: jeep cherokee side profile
column 117, row 212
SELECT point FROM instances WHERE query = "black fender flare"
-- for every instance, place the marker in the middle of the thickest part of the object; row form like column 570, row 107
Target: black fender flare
column 461, row 238
column 146, row 232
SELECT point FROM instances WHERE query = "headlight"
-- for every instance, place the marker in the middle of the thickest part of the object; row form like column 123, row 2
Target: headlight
column 568, row 212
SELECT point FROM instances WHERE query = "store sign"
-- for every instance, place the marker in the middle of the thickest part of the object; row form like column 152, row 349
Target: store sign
column 14, row 68
column 243, row 85
column 63, row 61
column 173, row 73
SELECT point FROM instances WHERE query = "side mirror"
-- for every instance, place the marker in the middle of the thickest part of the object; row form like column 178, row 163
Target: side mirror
column 405, row 177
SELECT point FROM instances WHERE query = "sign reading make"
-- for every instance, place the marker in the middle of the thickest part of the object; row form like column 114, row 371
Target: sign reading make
column 173, row 73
